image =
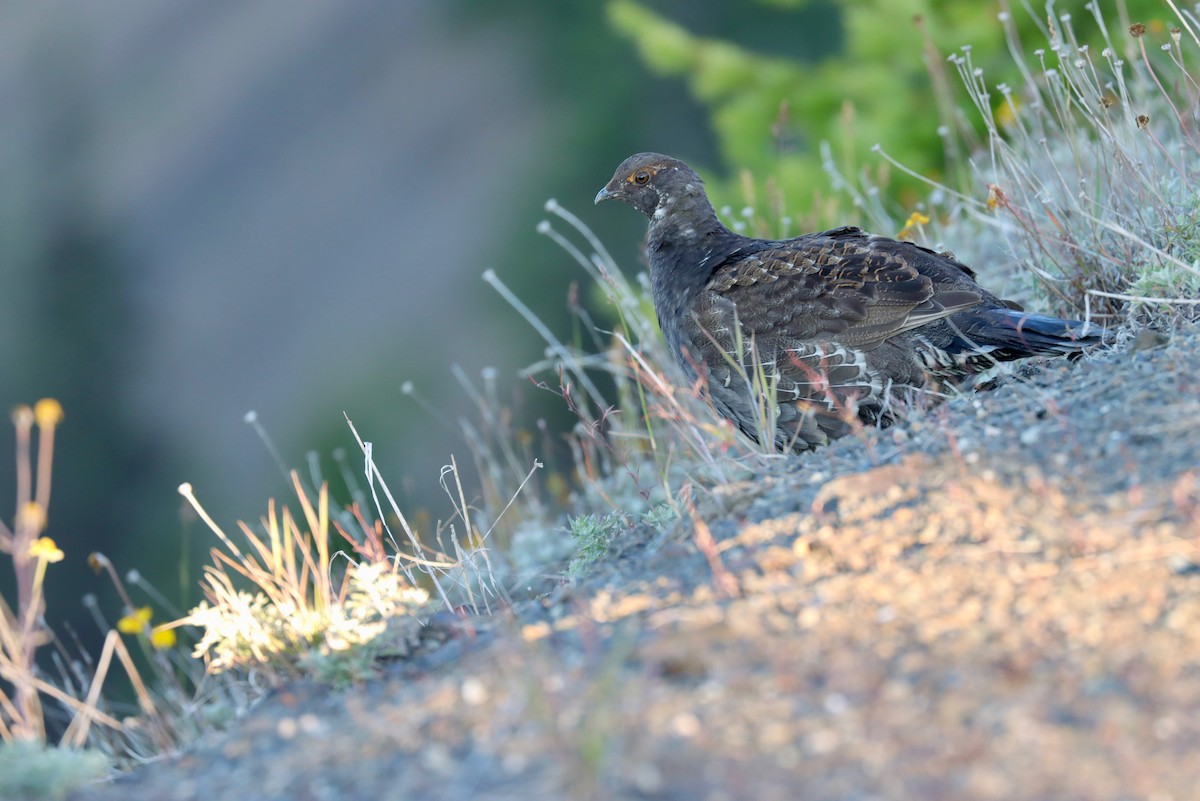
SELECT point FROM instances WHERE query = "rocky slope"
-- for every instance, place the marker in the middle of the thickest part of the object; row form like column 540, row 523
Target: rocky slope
column 997, row 600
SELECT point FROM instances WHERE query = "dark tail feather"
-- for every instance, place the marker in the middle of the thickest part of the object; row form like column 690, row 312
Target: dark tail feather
column 1019, row 334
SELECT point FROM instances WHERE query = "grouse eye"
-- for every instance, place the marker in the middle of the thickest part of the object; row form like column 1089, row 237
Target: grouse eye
column 641, row 177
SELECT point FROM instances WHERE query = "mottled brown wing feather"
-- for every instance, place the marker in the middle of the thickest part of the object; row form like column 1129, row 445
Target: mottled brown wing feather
column 846, row 291
column 811, row 313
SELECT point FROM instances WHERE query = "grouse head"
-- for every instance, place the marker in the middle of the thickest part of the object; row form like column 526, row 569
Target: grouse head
column 685, row 241
column 654, row 184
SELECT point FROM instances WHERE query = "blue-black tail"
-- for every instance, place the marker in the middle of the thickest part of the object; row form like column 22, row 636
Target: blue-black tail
column 1007, row 334
column 983, row 336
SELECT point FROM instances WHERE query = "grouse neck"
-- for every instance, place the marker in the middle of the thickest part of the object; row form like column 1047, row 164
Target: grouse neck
column 685, row 245
column 686, row 240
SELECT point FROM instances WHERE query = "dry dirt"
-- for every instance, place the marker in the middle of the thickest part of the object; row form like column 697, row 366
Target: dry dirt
column 999, row 600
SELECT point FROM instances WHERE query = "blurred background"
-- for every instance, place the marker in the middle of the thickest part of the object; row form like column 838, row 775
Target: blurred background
column 209, row 207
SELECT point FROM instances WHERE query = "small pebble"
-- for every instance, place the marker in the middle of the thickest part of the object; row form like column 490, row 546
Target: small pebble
column 1182, row 566
column 473, row 692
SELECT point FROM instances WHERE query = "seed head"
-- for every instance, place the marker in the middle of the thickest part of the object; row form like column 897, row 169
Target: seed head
column 995, row 197
column 31, row 517
column 22, row 417
column 47, row 412
column 1137, row 30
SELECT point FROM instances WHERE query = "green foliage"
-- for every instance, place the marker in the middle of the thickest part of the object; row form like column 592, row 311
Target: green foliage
column 890, row 85
column 592, row 534
column 1185, row 232
column 1179, row 278
column 30, row 771
column 660, row 516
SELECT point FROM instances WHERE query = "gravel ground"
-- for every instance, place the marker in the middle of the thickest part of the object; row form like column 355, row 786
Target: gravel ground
column 999, row 599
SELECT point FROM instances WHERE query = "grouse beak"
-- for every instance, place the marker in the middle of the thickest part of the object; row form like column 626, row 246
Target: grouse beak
column 605, row 194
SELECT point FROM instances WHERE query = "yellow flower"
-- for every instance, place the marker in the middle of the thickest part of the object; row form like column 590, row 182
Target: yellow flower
column 44, row 548
column 995, row 197
column 162, row 638
column 914, row 219
column 136, row 621
column 48, row 412
column 1006, row 113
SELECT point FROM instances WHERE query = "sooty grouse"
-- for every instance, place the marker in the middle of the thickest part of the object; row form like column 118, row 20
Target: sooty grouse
column 844, row 325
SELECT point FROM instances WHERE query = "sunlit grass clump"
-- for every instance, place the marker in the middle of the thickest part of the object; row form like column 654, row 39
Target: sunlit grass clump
column 288, row 601
column 293, row 611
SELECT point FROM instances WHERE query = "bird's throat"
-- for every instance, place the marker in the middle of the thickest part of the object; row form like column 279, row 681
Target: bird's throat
column 683, row 224
column 685, row 244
